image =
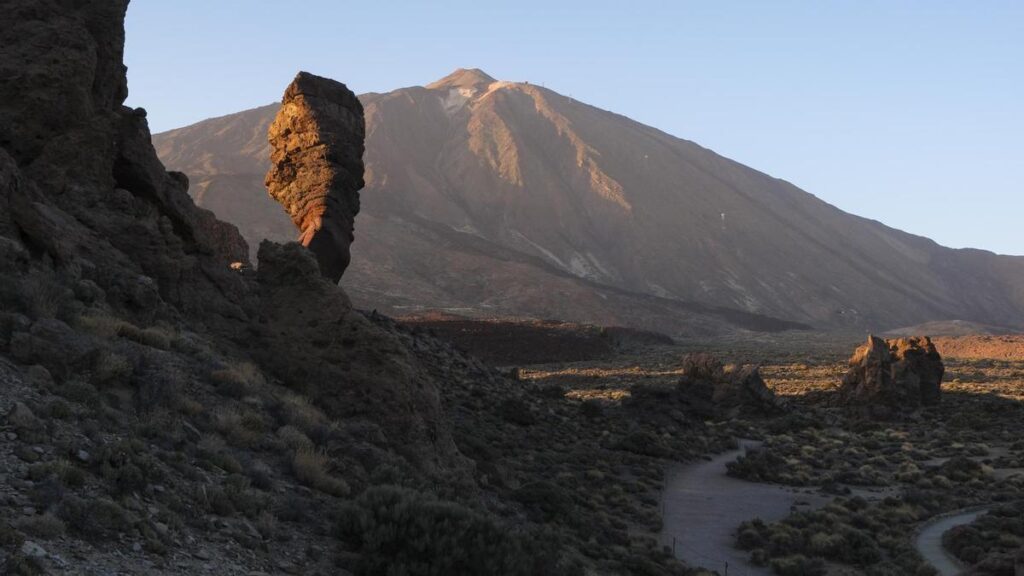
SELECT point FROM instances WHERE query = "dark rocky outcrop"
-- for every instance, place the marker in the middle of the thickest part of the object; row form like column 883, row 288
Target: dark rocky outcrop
column 888, row 377
column 316, row 152
column 726, row 390
column 350, row 368
column 710, row 389
column 94, row 231
column 80, row 184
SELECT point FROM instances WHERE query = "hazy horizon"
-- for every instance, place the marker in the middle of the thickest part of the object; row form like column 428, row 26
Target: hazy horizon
column 903, row 114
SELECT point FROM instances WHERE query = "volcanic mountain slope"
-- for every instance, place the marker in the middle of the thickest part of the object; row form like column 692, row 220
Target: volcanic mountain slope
column 508, row 198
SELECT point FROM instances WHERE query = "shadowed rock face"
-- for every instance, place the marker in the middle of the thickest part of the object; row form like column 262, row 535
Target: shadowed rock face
column 93, row 226
column 81, row 188
column 894, row 375
column 316, row 154
column 722, row 391
column 709, row 389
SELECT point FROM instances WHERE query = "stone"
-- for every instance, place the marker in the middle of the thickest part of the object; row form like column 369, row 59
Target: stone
column 33, row 550
column 54, row 345
column 21, row 418
column 38, row 376
column 316, row 172
column 893, row 376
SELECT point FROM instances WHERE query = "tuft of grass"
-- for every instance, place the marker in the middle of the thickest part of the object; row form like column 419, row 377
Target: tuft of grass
column 297, row 411
column 238, row 380
column 43, row 294
column 45, row 526
column 110, row 327
column 294, row 438
column 310, row 468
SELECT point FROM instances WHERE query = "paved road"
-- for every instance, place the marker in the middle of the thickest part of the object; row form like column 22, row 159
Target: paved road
column 929, row 540
column 702, row 508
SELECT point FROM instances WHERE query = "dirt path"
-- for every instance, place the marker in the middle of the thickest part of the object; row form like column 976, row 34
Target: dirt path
column 702, row 507
column 929, row 540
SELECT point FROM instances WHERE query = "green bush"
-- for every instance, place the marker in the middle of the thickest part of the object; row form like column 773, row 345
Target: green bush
column 400, row 532
column 798, row 565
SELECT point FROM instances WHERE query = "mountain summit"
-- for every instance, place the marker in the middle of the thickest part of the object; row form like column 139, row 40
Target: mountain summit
column 488, row 197
column 463, row 78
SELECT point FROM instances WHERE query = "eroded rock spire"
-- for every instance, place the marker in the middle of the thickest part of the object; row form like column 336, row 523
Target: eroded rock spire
column 316, row 154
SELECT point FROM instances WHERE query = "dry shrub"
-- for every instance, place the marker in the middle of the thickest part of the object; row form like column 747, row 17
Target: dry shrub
column 310, row 468
column 103, row 326
column 294, row 438
column 298, row 412
column 240, row 428
column 238, row 380
column 45, row 526
column 110, row 327
column 111, row 368
column 43, row 294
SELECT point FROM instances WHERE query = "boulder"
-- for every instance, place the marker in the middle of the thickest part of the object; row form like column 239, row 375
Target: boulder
column 316, row 153
column 893, row 376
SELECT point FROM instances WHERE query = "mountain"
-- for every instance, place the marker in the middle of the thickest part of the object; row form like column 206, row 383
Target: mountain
column 488, row 197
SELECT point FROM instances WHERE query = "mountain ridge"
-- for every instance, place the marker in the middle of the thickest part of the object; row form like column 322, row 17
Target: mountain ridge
column 609, row 200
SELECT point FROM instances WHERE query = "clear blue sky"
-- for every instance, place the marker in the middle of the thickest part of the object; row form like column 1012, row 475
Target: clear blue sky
column 908, row 112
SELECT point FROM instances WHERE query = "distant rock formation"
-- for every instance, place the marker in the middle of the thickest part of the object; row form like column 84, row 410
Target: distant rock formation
column 316, row 152
column 727, row 391
column 893, row 376
column 710, row 389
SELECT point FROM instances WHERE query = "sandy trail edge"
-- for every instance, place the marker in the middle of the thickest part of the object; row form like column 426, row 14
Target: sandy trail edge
column 702, row 507
column 929, row 539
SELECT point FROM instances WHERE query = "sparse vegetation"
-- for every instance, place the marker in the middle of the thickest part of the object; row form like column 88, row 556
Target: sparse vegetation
column 398, row 531
column 310, row 467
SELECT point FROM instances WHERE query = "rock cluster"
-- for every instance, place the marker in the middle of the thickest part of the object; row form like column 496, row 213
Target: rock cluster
column 710, row 389
column 727, row 391
column 893, row 376
column 316, row 144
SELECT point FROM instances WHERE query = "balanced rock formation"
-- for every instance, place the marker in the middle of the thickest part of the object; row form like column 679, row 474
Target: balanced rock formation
column 316, row 152
column 893, row 376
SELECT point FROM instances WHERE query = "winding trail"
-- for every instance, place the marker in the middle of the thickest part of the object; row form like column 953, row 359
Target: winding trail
column 702, row 507
column 929, row 539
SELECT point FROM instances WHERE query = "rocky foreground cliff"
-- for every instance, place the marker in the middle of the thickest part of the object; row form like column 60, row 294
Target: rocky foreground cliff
column 166, row 408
